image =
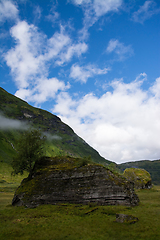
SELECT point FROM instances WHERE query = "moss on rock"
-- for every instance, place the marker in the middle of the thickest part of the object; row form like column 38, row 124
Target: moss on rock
column 140, row 177
column 67, row 179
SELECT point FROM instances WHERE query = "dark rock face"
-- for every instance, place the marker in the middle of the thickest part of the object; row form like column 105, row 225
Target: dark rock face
column 60, row 180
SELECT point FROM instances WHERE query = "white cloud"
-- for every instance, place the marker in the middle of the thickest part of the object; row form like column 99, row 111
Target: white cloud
column 83, row 73
column 75, row 49
column 80, row 2
column 93, row 10
column 8, row 11
column 53, row 15
column 61, row 48
column 43, row 90
column 32, row 51
column 48, row 88
column 119, row 49
column 37, row 12
column 102, row 7
column 32, row 56
column 145, row 12
column 25, row 59
column 155, row 89
column 57, row 45
column 122, row 125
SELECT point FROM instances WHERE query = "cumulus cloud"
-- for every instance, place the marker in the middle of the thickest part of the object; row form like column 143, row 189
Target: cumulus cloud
column 31, row 57
column 155, row 89
column 123, row 125
column 25, row 59
column 75, row 49
column 44, row 90
column 145, row 11
column 8, row 11
column 83, row 73
column 119, row 49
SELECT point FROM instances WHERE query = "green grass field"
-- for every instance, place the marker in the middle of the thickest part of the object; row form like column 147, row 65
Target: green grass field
column 74, row 222
column 9, row 183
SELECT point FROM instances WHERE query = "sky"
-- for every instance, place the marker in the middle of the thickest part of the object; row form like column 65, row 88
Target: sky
column 93, row 63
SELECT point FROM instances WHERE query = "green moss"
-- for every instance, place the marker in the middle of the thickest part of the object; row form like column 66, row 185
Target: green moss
column 116, row 178
column 27, row 186
column 140, row 177
column 60, row 163
column 46, row 167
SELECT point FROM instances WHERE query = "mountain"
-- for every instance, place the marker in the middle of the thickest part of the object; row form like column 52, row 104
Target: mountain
column 17, row 115
column 153, row 167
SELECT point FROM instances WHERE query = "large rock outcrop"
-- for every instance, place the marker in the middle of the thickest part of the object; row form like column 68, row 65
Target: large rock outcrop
column 73, row 180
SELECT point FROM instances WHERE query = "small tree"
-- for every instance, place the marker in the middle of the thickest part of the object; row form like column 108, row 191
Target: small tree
column 30, row 149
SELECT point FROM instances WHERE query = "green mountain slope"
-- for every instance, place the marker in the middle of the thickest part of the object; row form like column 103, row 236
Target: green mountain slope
column 153, row 167
column 16, row 115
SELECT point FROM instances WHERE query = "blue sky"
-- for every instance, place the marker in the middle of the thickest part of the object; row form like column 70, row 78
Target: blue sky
column 93, row 63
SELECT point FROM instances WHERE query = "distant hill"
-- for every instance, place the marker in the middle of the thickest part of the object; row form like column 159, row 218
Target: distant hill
column 153, row 167
column 16, row 115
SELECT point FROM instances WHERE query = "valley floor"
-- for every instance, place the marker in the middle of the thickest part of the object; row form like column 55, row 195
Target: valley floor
column 74, row 222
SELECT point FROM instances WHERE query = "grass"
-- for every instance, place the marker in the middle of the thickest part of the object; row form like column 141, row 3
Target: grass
column 9, row 183
column 74, row 222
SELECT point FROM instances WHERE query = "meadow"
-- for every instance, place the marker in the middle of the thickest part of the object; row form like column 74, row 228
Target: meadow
column 74, row 222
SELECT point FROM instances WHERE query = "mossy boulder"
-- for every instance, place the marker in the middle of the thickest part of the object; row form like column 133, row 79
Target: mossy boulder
column 125, row 218
column 73, row 180
column 140, row 177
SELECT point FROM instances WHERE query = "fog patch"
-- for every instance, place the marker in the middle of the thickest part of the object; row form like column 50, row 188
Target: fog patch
column 51, row 137
column 7, row 123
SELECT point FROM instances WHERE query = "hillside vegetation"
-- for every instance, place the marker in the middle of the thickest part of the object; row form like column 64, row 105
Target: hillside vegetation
column 17, row 115
column 153, row 167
